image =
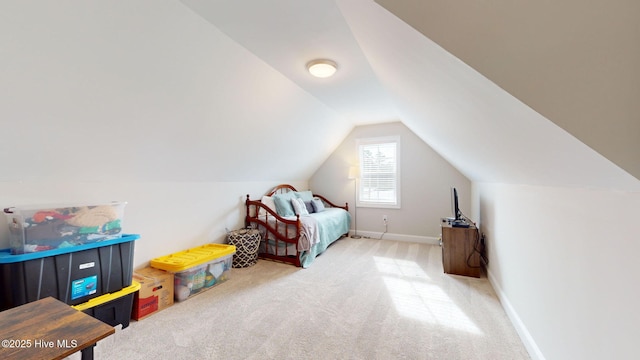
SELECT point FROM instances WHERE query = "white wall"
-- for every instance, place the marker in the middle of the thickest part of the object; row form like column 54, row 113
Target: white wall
column 146, row 90
column 145, row 102
column 426, row 179
column 564, row 262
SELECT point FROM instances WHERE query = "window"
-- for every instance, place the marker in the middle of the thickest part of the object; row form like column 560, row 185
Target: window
column 379, row 184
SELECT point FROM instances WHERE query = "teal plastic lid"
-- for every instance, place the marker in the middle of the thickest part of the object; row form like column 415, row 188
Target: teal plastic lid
column 7, row 258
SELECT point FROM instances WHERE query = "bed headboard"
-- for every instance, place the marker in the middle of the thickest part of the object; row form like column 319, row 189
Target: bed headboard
column 281, row 189
column 285, row 188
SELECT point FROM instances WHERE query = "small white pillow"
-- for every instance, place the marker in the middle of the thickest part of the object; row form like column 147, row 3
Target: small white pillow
column 268, row 202
column 299, row 207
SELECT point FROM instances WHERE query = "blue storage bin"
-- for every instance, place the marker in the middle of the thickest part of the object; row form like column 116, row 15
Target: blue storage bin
column 72, row 275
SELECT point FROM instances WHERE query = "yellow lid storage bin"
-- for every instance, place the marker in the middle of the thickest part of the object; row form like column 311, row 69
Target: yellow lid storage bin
column 197, row 269
column 112, row 308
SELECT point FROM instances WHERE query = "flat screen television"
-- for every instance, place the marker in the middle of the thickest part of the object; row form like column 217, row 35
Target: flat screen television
column 459, row 220
column 454, row 204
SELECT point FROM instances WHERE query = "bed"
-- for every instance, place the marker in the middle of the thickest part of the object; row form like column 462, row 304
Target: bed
column 288, row 232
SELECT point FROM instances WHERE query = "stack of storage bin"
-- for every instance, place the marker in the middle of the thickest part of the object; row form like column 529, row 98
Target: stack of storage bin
column 77, row 255
column 197, row 269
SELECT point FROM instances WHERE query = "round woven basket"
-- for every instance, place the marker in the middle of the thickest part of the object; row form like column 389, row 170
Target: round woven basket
column 247, row 242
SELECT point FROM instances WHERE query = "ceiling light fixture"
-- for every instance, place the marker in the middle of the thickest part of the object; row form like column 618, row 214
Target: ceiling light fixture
column 322, row 68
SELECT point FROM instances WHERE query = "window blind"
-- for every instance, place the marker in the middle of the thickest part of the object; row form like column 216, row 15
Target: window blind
column 378, row 173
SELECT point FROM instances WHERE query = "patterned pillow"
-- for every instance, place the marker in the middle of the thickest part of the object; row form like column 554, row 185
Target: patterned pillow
column 299, row 207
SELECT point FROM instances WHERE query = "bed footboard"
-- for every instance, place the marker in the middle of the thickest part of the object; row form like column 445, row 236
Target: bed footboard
column 280, row 234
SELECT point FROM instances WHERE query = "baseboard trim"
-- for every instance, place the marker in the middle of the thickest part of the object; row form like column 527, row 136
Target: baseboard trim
column 521, row 329
column 398, row 237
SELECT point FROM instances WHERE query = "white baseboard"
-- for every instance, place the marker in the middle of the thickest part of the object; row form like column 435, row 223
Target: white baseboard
column 524, row 334
column 398, row 237
column 522, row 331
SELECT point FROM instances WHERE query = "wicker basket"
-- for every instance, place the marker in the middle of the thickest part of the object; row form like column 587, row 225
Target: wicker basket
column 247, row 242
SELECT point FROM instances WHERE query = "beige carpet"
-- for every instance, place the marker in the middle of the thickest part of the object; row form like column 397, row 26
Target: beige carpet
column 361, row 299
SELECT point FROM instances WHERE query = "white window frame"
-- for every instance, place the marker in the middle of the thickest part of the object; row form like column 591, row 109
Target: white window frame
column 372, row 203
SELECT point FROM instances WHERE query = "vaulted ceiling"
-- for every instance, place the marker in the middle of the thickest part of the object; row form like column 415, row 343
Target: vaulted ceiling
column 287, row 34
column 217, row 90
column 574, row 62
column 487, row 114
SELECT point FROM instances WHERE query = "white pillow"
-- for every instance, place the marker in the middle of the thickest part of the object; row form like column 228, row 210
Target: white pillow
column 268, row 202
column 299, row 207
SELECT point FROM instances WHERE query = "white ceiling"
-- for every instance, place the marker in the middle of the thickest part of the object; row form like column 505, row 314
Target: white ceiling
column 287, row 34
column 212, row 90
column 387, row 71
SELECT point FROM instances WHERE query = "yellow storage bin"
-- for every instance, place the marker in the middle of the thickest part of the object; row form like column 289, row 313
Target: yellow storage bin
column 197, row 269
column 112, row 308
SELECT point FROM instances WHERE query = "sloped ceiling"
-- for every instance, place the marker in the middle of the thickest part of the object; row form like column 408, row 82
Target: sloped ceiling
column 147, row 91
column 484, row 131
column 573, row 61
column 287, row 34
column 480, row 128
column 216, row 90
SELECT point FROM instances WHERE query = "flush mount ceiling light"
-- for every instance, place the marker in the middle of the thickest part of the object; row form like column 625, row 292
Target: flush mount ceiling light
column 322, row 68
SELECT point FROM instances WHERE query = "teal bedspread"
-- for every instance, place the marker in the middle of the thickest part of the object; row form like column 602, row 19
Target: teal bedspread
column 332, row 224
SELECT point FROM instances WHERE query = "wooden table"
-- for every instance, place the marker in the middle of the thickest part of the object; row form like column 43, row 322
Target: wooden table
column 49, row 329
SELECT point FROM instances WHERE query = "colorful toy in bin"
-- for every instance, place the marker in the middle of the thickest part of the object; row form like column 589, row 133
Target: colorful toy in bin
column 197, row 269
column 37, row 228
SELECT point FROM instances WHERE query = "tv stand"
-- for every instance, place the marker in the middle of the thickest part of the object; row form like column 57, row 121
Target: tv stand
column 460, row 224
column 458, row 247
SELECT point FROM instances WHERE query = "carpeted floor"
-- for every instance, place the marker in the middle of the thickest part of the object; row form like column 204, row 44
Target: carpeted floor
column 361, row 299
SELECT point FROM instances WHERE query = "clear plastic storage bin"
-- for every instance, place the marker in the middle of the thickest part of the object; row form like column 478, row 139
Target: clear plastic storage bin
column 39, row 228
column 197, row 269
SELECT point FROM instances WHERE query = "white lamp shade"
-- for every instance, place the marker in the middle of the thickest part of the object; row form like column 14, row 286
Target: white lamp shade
column 322, row 68
column 354, row 172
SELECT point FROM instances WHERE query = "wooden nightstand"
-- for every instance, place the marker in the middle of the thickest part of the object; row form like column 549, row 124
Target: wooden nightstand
column 458, row 254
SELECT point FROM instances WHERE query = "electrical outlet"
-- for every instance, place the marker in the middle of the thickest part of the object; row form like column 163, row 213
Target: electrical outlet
column 385, row 219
